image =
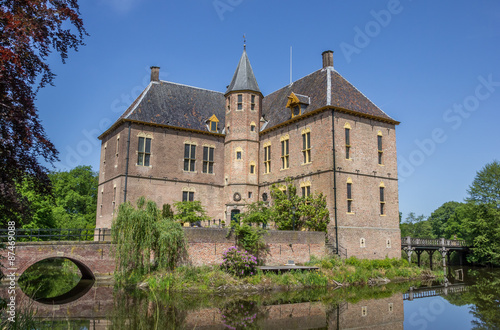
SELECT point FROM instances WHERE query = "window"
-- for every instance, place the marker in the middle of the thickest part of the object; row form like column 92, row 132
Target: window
column 117, row 144
column 213, row 123
column 228, row 103
column 189, row 157
column 252, row 168
column 252, row 126
column 349, row 195
column 295, row 111
column 252, row 104
column 306, row 189
column 284, row 153
column 364, row 311
column 382, row 199
column 306, row 147
column 347, row 128
column 104, row 155
column 114, row 199
column 240, row 102
column 144, row 153
column 239, row 153
column 208, row 159
column 187, row 196
column 249, row 194
column 388, row 243
column 380, row 150
column 391, row 307
column 362, row 242
column 267, row 159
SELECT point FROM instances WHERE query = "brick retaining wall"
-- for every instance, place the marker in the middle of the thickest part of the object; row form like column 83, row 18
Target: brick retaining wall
column 206, row 246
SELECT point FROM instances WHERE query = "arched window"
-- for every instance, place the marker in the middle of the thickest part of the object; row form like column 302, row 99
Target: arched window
column 362, row 242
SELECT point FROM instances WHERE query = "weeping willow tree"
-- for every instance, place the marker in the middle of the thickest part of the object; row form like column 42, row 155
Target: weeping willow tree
column 145, row 239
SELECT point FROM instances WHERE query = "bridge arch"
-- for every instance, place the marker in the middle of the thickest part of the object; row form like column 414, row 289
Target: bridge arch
column 85, row 270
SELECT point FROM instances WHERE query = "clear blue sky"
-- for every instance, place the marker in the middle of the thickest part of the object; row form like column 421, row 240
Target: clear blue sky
column 434, row 66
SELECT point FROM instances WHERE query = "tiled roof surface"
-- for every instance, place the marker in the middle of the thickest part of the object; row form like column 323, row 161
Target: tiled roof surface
column 343, row 95
column 177, row 105
column 243, row 78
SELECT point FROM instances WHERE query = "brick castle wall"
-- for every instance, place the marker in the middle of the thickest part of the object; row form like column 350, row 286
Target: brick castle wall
column 206, row 246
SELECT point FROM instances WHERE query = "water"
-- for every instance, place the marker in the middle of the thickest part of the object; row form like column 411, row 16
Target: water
column 470, row 299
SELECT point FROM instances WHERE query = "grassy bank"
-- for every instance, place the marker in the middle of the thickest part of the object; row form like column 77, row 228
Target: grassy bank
column 332, row 272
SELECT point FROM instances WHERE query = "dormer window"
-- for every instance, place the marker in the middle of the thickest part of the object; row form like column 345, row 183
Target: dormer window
column 297, row 104
column 213, row 123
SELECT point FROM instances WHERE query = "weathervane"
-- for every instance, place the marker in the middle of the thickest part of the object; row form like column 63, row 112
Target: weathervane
column 244, row 42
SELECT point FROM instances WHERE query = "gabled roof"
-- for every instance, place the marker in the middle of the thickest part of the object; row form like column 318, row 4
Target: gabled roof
column 243, row 79
column 325, row 87
column 167, row 103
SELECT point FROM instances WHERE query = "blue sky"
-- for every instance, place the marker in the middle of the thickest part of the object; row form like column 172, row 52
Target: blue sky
column 434, row 66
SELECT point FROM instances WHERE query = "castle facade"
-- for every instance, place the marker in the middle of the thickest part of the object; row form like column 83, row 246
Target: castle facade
column 178, row 142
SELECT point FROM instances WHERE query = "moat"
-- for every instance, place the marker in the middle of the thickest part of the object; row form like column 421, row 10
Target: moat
column 469, row 299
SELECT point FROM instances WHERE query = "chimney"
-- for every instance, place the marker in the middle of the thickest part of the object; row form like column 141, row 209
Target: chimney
column 155, row 73
column 327, row 58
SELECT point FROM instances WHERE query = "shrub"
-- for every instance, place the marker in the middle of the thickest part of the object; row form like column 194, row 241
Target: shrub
column 239, row 263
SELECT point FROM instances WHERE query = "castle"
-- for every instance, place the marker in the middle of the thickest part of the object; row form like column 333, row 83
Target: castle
column 178, row 142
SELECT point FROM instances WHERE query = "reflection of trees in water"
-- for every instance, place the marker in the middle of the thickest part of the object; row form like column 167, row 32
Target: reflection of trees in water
column 483, row 295
column 242, row 314
column 49, row 278
column 142, row 311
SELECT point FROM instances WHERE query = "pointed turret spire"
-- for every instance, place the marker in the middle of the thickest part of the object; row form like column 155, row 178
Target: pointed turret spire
column 243, row 79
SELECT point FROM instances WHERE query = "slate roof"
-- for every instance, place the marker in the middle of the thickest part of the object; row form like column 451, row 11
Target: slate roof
column 177, row 105
column 315, row 85
column 243, row 78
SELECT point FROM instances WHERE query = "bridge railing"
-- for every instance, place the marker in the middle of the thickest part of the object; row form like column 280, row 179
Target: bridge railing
column 406, row 241
column 56, row 234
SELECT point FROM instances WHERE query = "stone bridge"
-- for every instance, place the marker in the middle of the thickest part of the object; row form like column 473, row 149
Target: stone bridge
column 93, row 259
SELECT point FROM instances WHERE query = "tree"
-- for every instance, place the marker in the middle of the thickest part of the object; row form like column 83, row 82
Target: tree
column 440, row 217
column 257, row 213
column 72, row 204
column 191, row 212
column 290, row 211
column 416, row 226
column 141, row 232
column 481, row 225
column 29, row 31
column 485, row 189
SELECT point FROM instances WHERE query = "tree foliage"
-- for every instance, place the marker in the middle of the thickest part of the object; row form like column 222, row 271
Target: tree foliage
column 439, row 219
column 139, row 233
column 72, row 204
column 292, row 211
column 485, row 189
column 416, row 226
column 190, row 211
column 29, row 31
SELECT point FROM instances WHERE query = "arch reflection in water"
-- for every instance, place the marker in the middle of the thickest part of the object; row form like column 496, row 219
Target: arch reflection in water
column 56, row 281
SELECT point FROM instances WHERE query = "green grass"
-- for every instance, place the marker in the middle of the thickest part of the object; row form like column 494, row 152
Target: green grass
column 351, row 271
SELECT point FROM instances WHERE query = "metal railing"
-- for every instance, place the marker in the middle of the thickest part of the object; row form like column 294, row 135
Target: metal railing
column 57, row 234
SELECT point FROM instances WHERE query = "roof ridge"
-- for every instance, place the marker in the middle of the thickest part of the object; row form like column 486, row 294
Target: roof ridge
column 174, row 83
column 139, row 99
column 289, row 85
column 363, row 95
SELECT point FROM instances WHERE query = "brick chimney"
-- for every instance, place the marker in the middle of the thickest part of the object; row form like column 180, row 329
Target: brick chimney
column 155, row 73
column 327, row 58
